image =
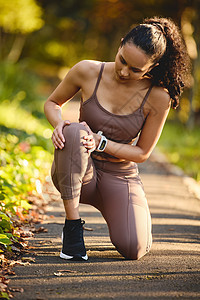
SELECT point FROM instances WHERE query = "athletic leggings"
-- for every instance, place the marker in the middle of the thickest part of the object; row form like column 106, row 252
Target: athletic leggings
column 114, row 188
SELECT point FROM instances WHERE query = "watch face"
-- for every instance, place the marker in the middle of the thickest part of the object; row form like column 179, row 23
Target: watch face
column 103, row 144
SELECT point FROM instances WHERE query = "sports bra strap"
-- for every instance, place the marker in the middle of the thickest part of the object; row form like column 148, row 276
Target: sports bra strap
column 99, row 77
column 146, row 96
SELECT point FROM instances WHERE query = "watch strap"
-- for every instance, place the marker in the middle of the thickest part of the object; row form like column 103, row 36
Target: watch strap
column 103, row 142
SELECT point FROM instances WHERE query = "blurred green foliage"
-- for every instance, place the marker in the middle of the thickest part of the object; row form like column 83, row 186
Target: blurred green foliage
column 19, row 87
column 25, row 145
column 25, row 160
column 7, row 235
column 23, row 16
column 181, row 146
column 21, row 159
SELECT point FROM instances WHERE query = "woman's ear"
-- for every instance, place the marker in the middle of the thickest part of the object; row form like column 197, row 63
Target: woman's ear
column 150, row 68
column 121, row 42
column 153, row 66
column 120, row 46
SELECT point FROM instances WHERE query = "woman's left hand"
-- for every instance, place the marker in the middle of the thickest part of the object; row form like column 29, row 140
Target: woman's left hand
column 91, row 140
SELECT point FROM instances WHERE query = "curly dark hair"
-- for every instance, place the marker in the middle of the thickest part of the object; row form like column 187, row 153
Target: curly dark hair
column 161, row 39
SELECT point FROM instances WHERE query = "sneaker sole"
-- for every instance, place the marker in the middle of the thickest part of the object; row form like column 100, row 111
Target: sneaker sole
column 76, row 257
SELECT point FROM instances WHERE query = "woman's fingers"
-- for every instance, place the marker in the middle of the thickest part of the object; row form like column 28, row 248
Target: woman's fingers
column 57, row 142
column 87, row 127
column 89, row 143
column 88, row 140
column 57, row 136
column 88, row 137
column 60, row 130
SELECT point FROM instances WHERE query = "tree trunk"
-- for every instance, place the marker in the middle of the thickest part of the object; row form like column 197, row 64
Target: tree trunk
column 16, row 49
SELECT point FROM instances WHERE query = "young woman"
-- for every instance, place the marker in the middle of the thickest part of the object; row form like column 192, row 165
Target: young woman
column 96, row 159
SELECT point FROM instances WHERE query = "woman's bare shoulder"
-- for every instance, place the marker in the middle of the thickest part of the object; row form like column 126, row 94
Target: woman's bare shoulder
column 88, row 68
column 160, row 98
column 82, row 72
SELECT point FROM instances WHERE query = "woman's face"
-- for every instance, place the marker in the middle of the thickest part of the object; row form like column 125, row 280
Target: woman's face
column 131, row 63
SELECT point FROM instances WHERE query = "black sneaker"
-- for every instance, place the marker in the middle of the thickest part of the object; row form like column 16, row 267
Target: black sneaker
column 73, row 243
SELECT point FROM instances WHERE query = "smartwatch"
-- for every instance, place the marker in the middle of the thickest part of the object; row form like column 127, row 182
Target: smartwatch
column 103, row 142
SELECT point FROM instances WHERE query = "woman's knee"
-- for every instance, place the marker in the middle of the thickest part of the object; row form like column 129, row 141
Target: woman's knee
column 131, row 250
column 70, row 131
column 136, row 254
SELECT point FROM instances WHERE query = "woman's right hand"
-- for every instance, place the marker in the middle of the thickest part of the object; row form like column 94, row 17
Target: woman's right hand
column 57, row 136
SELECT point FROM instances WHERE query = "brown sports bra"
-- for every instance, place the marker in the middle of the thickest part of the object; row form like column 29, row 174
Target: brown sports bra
column 118, row 128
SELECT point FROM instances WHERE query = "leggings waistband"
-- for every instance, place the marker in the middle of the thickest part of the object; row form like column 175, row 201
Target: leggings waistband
column 124, row 168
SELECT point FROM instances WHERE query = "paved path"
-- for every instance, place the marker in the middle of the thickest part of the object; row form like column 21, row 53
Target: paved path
column 169, row 271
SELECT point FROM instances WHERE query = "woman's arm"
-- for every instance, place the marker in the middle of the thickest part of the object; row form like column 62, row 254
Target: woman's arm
column 65, row 91
column 150, row 133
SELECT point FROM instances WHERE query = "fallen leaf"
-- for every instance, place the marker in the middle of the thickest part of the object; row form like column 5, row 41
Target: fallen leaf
column 68, row 271
column 15, row 248
column 40, row 229
column 28, row 259
column 58, row 274
column 20, row 290
column 21, row 263
column 9, row 272
column 2, row 286
column 87, row 228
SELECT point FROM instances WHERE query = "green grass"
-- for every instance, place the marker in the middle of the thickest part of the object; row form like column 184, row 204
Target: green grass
column 182, row 147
